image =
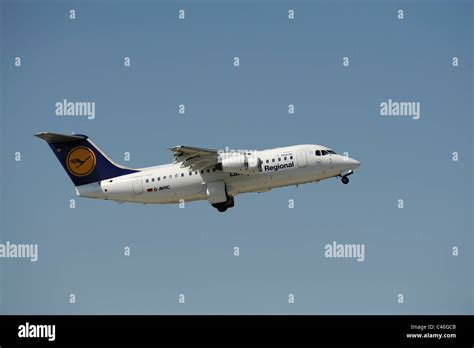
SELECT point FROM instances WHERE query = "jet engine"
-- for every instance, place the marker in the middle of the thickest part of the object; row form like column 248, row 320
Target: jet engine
column 241, row 163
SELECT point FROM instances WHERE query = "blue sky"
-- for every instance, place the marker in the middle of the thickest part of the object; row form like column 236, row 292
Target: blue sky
column 407, row 251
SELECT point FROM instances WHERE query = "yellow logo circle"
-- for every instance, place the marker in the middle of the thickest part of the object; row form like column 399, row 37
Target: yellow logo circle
column 80, row 161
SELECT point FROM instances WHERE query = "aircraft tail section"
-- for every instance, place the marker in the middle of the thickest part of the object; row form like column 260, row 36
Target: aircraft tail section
column 83, row 160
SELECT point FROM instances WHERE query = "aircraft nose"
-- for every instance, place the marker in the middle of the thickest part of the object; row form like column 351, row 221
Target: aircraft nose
column 354, row 163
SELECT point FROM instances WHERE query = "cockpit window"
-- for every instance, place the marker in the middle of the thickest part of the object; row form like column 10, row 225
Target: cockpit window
column 318, row 153
column 332, row 152
column 324, row 152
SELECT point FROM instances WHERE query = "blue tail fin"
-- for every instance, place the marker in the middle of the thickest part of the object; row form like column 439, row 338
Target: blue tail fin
column 82, row 159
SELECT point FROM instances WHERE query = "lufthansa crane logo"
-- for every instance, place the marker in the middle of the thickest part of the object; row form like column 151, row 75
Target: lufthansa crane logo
column 80, row 161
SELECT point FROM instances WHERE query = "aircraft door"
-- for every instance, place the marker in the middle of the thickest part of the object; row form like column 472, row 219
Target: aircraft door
column 301, row 158
column 137, row 185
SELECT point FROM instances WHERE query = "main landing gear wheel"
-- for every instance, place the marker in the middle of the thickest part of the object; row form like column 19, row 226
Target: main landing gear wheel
column 345, row 180
column 222, row 207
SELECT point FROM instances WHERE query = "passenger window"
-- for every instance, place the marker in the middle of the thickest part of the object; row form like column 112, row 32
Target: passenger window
column 147, row 181
column 153, row 179
column 182, row 174
column 202, row 171
column 318, row 153
column 190, row 173
column 273, row 160
column 291, row 157
column 170, row 177
column 176, row 175
column 208, row 170
column 158, row 179
column 196, row 172
column 213, row 169
column 284, row 158
column 268, row 161
column 279, row 159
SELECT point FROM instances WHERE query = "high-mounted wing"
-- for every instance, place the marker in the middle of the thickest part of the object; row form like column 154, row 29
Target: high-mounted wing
column 196, row 158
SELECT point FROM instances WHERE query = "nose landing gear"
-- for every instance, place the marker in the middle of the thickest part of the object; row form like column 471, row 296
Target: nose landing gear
column 344, row 176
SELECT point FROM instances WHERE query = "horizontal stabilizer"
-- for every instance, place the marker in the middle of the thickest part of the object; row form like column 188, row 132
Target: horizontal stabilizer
column 53, row 138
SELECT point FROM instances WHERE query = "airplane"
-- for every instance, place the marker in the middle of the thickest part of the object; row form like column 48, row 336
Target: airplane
column 195, row 173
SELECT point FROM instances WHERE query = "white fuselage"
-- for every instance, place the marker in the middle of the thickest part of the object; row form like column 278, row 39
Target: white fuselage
column 171, row 183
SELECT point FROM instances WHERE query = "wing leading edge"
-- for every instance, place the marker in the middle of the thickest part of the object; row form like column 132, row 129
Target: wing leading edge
column 196, row 158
